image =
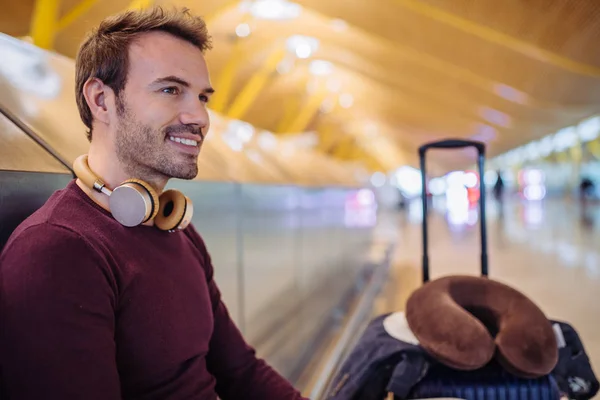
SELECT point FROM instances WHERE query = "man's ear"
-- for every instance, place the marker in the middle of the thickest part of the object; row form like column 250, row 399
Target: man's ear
column 95, row 92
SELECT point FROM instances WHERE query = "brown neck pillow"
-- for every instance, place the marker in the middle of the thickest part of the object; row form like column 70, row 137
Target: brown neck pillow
column 463, row 321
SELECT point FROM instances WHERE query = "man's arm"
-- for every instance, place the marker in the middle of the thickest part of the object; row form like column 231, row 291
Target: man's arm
column 239, row 373
column 57, row 318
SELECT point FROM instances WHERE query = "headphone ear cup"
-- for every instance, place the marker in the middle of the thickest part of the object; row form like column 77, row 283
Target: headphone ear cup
column 175, row 211
column 133, row 202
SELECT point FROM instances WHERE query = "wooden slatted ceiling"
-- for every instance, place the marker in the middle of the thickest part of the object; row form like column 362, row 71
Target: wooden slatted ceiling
column 15, row 17
column 375, row 60
column 422, row 69
column 565, row 27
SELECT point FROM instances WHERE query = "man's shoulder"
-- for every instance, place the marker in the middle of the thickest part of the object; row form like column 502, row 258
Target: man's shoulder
column 39, row 238
column 45, row 254
column 59, row 220
column 191, row 232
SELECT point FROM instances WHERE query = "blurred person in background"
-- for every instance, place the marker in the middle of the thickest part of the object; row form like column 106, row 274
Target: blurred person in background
column 499, row 194
column 499, row 187
column 586, row 189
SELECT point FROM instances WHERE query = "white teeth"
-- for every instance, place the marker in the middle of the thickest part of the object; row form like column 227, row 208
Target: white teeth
column 188, row 142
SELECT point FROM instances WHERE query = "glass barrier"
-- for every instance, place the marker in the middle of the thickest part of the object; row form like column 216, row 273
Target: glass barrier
column 283, row 256
column 19, row 152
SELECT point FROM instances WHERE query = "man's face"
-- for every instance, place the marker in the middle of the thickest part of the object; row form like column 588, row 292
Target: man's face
column 161, row 117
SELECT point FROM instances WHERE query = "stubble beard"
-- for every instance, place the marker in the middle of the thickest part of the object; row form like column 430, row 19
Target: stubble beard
column 144, row 154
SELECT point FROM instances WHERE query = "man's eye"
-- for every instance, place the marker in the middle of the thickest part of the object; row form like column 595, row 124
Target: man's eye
column 171, row 90
column 203, row 98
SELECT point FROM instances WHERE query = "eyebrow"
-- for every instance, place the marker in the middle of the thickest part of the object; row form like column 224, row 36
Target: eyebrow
column 182, row 82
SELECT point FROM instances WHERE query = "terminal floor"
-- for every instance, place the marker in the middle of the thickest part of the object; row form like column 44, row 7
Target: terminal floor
column 549, row 250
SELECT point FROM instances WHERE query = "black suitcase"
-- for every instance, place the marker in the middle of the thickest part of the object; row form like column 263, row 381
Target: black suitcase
column 491, row 382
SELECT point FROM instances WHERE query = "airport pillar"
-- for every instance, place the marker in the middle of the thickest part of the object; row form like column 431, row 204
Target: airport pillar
column 576, row 153
column 255, row 85
column 44, row 23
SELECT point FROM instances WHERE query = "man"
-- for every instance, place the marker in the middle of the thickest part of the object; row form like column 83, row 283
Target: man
column 92, row 309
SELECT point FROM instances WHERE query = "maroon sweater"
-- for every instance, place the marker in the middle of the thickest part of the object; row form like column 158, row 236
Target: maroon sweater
column 91, row 309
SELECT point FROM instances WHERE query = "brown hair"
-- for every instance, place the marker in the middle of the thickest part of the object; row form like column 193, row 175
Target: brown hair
column 105, row 52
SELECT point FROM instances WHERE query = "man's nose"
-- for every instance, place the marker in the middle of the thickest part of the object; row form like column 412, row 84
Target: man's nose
column 195, row 114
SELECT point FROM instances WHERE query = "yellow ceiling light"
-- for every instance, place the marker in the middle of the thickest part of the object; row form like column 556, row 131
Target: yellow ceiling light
column 495, row 117
column 485, row 133
column 511, row 94
column 327, row 105
column 334, row 85
column 302, row 46
column 267, row 140
column 312, row 86
column 346, row 100
column 589, row 129
column 237, row 134
column 320, row 67
column 545, row 146
column 272, row 9
column 242, row 30
column 378, row 179
column 286, row 65
column 565, row 138
column 339, row 25
column 371, row 129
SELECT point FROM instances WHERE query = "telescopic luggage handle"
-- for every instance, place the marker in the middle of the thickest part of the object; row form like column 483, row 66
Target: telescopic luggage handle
column 454, row 144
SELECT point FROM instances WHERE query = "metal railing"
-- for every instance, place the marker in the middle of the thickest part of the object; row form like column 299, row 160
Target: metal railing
column 357, row 320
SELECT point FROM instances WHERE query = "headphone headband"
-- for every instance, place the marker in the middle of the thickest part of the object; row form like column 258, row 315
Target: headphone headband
column 87, row 176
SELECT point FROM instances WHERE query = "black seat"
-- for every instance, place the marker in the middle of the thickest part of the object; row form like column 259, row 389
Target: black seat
column 22, row 193
column 28, row 176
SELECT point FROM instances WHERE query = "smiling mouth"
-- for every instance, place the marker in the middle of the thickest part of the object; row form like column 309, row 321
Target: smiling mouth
column 187, row 142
